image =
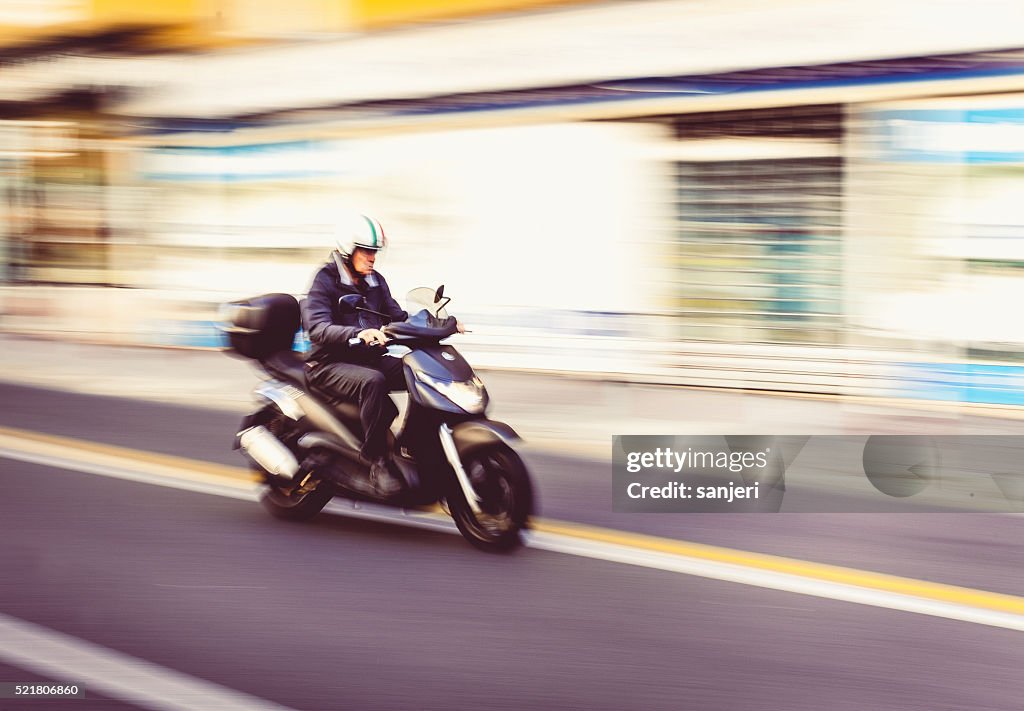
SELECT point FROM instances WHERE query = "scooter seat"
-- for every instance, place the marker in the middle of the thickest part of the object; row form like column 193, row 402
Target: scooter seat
column 287, row 365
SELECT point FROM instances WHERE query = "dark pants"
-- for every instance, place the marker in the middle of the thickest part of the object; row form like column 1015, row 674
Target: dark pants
column 368, row 386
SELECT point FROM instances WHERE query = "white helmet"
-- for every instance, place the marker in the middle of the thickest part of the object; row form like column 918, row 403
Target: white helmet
column 360, row 231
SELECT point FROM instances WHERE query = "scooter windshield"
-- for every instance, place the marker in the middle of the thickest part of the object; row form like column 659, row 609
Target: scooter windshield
column 422, row 298
column 427, row 318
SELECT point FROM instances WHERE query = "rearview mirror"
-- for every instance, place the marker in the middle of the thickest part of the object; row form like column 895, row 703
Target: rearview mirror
column 350, row 302
column 439, row 294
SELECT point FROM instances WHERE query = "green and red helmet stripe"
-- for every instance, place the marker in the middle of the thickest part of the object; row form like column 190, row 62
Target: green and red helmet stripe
column 377, row 239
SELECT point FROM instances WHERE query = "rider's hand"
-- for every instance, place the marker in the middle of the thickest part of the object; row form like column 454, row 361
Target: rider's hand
column 459, row 326
column 372, row 337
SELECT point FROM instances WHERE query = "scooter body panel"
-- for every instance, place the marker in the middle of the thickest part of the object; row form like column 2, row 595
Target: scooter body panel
column 440, row 362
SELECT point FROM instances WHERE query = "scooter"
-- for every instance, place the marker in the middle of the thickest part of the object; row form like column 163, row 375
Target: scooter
column 304, row 444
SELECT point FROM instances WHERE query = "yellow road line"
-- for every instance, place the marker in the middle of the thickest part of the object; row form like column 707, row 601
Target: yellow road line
column 181, row 467
column 109, row 454
column 791, row 566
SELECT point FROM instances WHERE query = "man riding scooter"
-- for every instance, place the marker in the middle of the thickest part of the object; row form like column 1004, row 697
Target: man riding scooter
column 347, row 358
column 303, row 439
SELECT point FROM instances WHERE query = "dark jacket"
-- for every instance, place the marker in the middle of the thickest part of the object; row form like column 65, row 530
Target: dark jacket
column 328, row 328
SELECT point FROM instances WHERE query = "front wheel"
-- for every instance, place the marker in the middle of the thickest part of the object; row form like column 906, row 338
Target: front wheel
column 501, row 482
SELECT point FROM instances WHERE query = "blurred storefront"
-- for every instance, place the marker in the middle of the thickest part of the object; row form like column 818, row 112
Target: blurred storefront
column 759, row 225
column 767, row 246
column 55, row 200
column 730, row 206
column 937, row 241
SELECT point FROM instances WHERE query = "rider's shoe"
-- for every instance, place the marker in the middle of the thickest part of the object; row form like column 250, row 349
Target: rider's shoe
column 382, row 479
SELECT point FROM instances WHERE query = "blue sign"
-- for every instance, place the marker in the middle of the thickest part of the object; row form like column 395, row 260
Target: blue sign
column 965, row 136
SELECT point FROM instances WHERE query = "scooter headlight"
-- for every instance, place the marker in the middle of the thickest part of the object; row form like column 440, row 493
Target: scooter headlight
column 467, row 394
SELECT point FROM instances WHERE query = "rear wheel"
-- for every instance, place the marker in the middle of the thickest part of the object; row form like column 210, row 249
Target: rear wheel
column 500, row 480
column 298, row 500
column 292, row 501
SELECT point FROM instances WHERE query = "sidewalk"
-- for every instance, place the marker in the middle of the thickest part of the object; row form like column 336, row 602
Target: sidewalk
column 563, row 414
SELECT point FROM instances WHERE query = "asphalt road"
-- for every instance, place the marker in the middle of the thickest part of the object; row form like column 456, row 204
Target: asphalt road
column 973, row 550
column 349, row 614
column 92, row 702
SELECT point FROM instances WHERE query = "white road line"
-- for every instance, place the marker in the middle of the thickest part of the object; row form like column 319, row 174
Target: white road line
column 569, row 545
column 799, row 584
column 240, row 490
column 101, row 670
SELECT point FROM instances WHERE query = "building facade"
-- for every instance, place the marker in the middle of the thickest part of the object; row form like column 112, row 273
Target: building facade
column 785, row 197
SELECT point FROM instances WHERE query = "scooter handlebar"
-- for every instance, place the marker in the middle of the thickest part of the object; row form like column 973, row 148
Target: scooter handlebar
column 356, row 342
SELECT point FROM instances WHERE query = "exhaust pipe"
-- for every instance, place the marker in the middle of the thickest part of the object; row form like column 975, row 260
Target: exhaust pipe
column 269, row 452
